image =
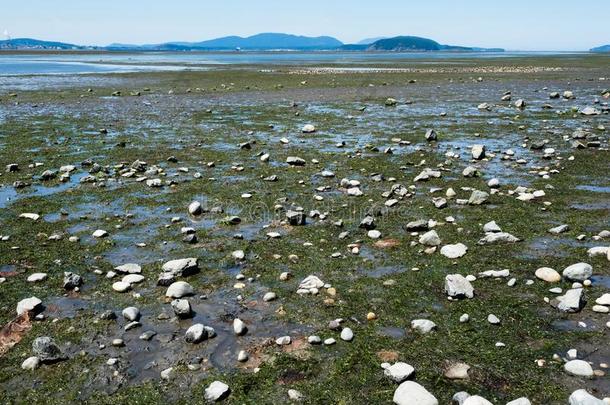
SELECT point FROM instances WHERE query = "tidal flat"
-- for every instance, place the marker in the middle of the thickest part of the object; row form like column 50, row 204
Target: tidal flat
column 420, row 192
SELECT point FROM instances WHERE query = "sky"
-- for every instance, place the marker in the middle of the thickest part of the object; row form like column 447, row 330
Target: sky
column 554, row 25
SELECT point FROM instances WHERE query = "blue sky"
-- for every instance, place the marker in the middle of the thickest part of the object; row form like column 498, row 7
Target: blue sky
column 515, row 24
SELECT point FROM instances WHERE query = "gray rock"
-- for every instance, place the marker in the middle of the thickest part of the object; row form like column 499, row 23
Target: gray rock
column 131, row 313
column 430, row 135
column 430, row 238
column 182, row 308
column 196, row 333
column 478, row 197
column 520, row 401
column 578, row 272
column 295, row 161
column 181, row 267
column 347, row 335
column 71, row 281
column 46, row 350
column 239, row 327
column 572, row 301
column 296, row 218
column 491, row 226
column 416, row 226
column 195, row 208
column 129, row 268
column 217, row 391
column 559, row 229
column 478, row 152
column 498, row 237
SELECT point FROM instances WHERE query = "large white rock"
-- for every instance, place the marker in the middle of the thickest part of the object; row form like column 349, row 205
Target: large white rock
column 476, row 400
column 547, row 274
column 578, row 272
column 430, row 238
column 129, row 268
column 603, row 300
column 181, row 266
column 311, row 282
column 411, row 393
column 520, row 401
column 179, row 289
column 216, row 391
column 399, row 372
column 458, row 286
column 28, row 305
column 423, row 325
column 571, row 301
column 579, row 368
column 582, row 397
column 454, row 251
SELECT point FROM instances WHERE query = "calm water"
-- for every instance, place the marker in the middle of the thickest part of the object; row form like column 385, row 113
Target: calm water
column 48, row 64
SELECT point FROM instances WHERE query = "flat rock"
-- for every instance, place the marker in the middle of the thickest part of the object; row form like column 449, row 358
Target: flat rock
column 32, row 304
column 582, row 397
column 423, row 325
column 399, row 372
column 454, row 251
column 498, row 237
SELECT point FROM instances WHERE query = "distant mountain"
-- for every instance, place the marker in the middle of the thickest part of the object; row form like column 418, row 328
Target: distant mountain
column 368, row 41
column 603, row 48
column 410, row 44
column 29, row 43
column 265, row 41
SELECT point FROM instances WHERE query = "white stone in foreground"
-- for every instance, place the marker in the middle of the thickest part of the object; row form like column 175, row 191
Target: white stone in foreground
column 411, row 393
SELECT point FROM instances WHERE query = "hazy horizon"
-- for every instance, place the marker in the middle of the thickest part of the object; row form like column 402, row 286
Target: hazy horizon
column 520, row 25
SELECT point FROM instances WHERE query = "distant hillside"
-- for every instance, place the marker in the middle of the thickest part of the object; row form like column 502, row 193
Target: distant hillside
column 603, row 48
column 29, row 43
column 265, row 41
column 410, row 44
column 368, row 41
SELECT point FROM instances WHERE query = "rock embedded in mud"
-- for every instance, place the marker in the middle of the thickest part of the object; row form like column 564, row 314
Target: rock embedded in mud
column 182, row 308
column 308, row 129
column 411, row 393
column 430, row 135
column 217, row 391
column 457, row 286
column 239, row 327
column 46, row 350
column 478, row 151
column 131, row 313
column 196, row 333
